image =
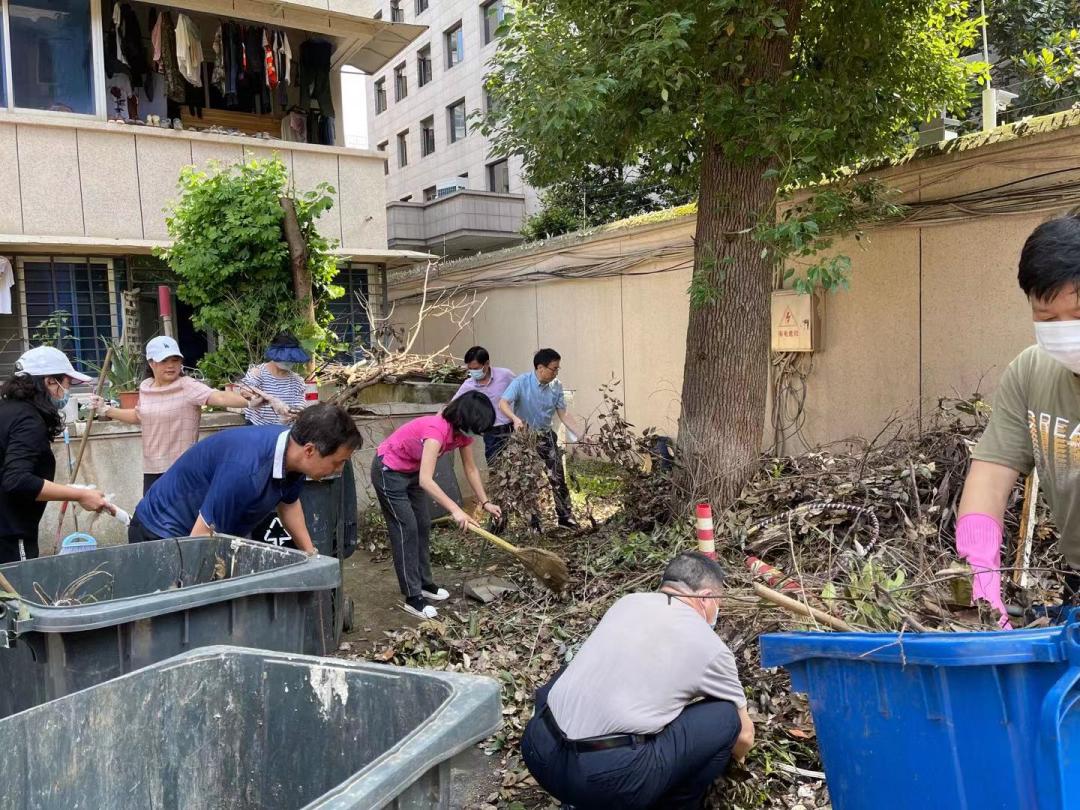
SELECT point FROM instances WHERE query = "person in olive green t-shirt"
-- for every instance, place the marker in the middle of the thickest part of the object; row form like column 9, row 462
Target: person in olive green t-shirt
column 1035, row 422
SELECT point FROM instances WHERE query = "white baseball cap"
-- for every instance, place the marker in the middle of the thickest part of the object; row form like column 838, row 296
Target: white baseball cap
column 162, row 348
column 46, row 361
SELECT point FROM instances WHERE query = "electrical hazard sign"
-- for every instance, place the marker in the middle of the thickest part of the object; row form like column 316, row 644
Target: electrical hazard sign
column 794, row 318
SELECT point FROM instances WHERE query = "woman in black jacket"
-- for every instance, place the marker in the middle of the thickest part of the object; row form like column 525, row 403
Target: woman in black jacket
column 30, row 404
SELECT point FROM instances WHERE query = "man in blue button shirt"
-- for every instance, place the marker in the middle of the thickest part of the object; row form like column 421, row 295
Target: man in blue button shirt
column 229, row 482
column 532, row 399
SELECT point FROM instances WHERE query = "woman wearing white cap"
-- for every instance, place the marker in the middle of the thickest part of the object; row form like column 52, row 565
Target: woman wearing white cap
column 30, row 404
column 170, row 405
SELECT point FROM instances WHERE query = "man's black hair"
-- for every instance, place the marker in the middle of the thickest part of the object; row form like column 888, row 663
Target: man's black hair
column 328, row 427
column 545, row 357
column 477, row 353
column 1050, row 260
column 470, row 413
column 694, row 570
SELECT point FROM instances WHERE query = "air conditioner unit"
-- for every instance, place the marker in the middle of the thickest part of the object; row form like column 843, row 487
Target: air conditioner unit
column 445, row 187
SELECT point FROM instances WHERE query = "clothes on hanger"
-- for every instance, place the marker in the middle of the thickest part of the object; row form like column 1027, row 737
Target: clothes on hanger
column 7, row 281
column 189, row 51
column 294, row 127
column 217, row 78
column 314, row 70
column 170, row 67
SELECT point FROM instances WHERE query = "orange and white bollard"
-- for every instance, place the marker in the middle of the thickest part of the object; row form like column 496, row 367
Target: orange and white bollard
column 311, row 391
column 705, row 542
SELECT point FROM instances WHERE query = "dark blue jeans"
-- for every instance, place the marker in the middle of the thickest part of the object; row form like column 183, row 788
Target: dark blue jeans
column 672, row 771
column 495, row 440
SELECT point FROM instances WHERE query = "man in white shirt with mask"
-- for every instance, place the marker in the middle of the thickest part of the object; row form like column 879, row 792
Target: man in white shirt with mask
column 1035, row 421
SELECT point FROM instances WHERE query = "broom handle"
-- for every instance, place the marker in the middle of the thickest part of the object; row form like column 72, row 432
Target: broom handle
column 493, row 538
column 90, row 416
column 800, row 609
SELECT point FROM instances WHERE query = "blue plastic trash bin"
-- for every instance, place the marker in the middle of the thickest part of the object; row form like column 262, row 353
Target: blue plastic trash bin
column 965, row 721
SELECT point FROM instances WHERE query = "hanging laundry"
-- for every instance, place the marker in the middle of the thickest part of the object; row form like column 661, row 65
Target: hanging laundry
column 315, row 75
column 7, row 281
column 255, row 65
column 174, row 79
column 189, row 52
column 116, row 33
column 233, row 49
column 271, row 61
column 155, row 38
column 283, row 59
column 217, row 78
column 294, row 127
column 132, row 48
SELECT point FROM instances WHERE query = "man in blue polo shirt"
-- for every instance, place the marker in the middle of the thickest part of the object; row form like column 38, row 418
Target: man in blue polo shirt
column 229, row 482
column 533, row 399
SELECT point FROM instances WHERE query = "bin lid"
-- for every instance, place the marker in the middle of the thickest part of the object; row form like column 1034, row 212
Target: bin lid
column 1042, row 645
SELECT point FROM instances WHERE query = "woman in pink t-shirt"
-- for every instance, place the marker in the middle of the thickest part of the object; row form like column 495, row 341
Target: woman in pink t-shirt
column 169, row 409
column 403, row 474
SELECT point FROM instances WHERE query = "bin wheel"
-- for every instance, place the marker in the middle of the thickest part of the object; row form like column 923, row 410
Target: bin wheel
column 347, row 609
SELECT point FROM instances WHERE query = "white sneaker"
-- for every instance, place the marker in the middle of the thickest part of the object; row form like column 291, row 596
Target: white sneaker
column 437, row 595
column 419, row 608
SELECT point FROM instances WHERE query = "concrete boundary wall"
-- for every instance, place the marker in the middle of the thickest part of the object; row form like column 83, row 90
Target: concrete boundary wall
column 933, row 309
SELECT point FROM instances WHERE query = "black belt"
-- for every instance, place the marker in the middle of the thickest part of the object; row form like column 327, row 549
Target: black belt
column 592, row 743
column 500, row 429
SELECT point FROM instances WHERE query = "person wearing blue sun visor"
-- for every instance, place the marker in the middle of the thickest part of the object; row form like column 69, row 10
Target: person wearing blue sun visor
column 30, row 419
column 283, row 390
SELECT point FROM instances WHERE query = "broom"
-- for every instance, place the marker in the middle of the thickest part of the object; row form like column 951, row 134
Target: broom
column 544, row 565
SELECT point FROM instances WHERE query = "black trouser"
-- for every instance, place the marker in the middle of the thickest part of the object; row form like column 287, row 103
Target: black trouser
column 671, row 771
column 138, row 533
column 148, row 480
column 495, row 440
column 10, row 550
column 408, row 519
column 551, row 454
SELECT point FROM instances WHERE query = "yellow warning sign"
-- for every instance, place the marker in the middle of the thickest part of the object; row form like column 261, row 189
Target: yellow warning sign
column 788, row 321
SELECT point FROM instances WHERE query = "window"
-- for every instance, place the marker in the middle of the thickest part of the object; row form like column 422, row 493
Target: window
column 403, row 149
column 380, row 96
column 455, row 46
column 423, row 66
column 493, row 12
column 401, row 83
column 429, row 193
column 71, row 304
column 490, row 104
column 427, row 136
column 396, row 13
column 386, row 162
column 351, row 324
column 51, row 56
column 455, row 115
column 421, row 6
column 499, row 177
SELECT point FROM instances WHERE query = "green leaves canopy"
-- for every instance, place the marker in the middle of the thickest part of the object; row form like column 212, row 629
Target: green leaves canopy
column 233, row 262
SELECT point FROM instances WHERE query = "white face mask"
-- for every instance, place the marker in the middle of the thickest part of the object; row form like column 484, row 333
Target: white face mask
column 284, row 366
column 1060, row 340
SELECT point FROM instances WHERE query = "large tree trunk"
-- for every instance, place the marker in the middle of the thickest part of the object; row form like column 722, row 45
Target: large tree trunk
column 298, row 258
column 726, row 371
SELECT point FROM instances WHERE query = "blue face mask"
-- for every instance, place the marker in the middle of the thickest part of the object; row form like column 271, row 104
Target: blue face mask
column 476, row 373
column 62, row 401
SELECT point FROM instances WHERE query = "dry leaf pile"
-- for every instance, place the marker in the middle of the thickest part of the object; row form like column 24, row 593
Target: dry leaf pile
column 811, row 517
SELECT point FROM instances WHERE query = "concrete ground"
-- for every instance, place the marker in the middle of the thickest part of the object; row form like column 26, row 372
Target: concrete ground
column 370, row 581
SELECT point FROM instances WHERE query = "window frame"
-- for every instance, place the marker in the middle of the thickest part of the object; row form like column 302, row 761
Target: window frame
column 401, row 81
column 397, row 13
column 380, row 96
column 457, row 31
column 97, row 69
column 491, row 175
column 403, row 148
column 384, row 147
column 490, row 35
column 451, row 133
column 434, row 193
column 424, row 129
column 421, row 6
column 420, row 62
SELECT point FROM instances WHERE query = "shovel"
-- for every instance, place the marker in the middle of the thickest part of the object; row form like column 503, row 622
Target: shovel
column 543, row 564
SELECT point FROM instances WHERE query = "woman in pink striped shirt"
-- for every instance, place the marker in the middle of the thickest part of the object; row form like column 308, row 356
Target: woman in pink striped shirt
column 169, row 409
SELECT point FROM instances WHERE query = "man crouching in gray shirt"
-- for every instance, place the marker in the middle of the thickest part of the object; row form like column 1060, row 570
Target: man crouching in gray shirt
column 650, row 711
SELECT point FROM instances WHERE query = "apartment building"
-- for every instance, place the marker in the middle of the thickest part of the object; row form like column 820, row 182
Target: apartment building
column 446, row 193
column 98, row 117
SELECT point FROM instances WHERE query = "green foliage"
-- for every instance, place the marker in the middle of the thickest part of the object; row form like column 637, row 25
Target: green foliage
column 125, row 369
column 1037, row 43
column 596, row 197
column 53, row 331
column 233, row 262
column 657, row 83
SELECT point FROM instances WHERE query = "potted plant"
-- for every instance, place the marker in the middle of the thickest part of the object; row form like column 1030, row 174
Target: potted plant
column 124, row 372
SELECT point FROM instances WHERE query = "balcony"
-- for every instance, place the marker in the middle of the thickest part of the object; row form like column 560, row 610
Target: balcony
column 459, row 224
column 94, row 188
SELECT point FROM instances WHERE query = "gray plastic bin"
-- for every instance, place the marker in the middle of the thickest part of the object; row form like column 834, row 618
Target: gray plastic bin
column 88, row 617
column 225, row 727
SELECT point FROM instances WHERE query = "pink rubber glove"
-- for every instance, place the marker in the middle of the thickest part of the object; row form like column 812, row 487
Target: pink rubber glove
column 978, row 540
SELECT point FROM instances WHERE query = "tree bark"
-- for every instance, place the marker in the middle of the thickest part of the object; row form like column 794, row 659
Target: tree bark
column 726, row 369
column 298, row 258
